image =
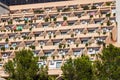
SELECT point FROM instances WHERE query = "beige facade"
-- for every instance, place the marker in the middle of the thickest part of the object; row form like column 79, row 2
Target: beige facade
column 58, row 30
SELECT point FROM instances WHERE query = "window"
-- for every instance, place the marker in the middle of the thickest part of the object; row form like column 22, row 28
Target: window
column 58, row 64
column 51, row 62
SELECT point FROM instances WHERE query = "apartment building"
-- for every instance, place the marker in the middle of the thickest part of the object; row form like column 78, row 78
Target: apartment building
column 21, row 2
column 58, row 30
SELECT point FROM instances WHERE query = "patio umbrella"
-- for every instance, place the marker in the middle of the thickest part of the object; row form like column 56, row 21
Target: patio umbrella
column 31, row 34
column 36, row 43
column 77, row 41
column 70, row 52
column 57, row 32
column 5, row 36
column 39, row 25
column 55, row 53
column 41, row 53
column 49, row 42
column 22, row 44
column 63, row 41
column 77, row 22
column 114, row 36
column 19, row 28
column 72, row 14
column 70, row 32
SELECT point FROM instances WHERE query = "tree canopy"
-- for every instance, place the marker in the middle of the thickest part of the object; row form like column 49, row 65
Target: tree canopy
column 78, row 69
column 25, row 67
column 108, row 65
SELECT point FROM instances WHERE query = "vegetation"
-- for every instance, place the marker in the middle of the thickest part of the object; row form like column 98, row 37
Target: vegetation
column 64, row 18
column 85, row 7
column 66, row 9
column 6, row 40
column 46, row 19
column 10, row 22
column 108, row 67
column 32, row 47
column 76, row 69
column 24, row 67
column 3, row 48
column 94, row 7
column 38, row 11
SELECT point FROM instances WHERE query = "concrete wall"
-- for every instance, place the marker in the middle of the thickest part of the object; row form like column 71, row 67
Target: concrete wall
column 3, row 8
column 118, row 19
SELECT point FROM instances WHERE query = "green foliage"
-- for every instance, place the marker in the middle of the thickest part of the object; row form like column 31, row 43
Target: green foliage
column 108, row 3
column 6, row 40
column 10, row 22
column 25, row 67
column 46, row 19
column 64, row 18
column 11, row 48
column 94, row 7
column 60, row 45
column 3, row 48
column 72, row 35
column 76, row 69
column 66, row 9
column 55, row 19
column 108, row 15
column 85, row 7
column 108, row 23
column 43, row 73
column 38, row 11
column 32, row 47
column 108, row 67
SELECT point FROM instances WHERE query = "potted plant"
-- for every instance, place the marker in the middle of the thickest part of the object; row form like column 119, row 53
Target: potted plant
column 55, row 19
column 54, row 36
column 64, row 18
column 11, row 48
column 77, row 45
column 94, row 7
column 50, row 36
column 85, row 7
column 68, row 45
column 3, row 48
column 60, row 45
column 86, row 44
column 46, row 19
column 72, row 35
column 6, row 40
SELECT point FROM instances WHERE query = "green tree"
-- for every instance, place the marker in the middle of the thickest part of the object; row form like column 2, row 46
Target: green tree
column 108, row 65
column 25, row 67
column 78, row 69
